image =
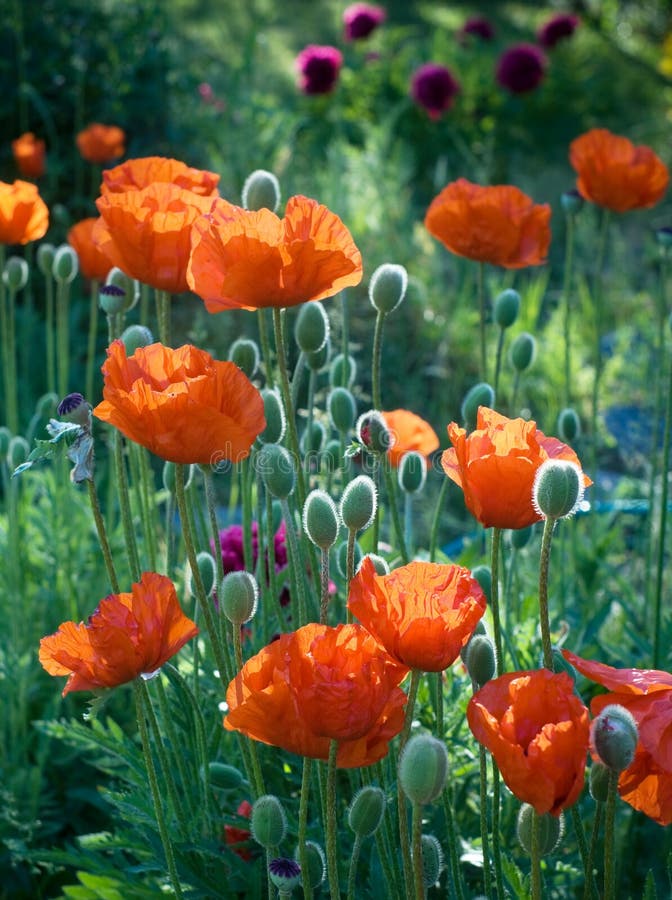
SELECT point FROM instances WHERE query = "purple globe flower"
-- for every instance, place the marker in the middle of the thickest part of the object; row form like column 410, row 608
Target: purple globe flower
column 233, row 556
column 360, row 19
column 480, row 27
column 521, row 68
column 556, row 29
column 434, row 87
column 318, row 68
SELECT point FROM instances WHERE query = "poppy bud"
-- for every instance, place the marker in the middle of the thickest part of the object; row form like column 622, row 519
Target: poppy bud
column 598, row 782
column 169, row 477
column 373, row 432
column 47, row 405
column 320, row 519
column 423, row 768
column 312, row 327
column 366, row 811
column 65, row 265
column 313, row 438
column 45, row 258
column 522, row 351
column 128, row 285
column 317, row 864
column 412, row 472
column 224, row 776
column 572, row 202
column 569, row 425
column 358, row 503
column 74, row 408
column 136, row 336
column 268, row 821
column 342, row 371
column 285, row 874
column 206, row 568
column 379, row 564
column 274, row 413
column 15, row 274
column 387, row 287
column 244, row 353
column 480, row 394
column 238, row 595
column 483, row 576
column 520, row 537
column 331, row 456
column 560, row 664
column 112, row 299
column 550, row 830
column 317, row 361
column 18, row 450
column 342, row 409
column 342, row 558
column 261, row 191
column 558, row 489
column 479, row 659
column 278, row 470
column 664, row 237
column 432, row 859
column 615, row 736
column 506, row 308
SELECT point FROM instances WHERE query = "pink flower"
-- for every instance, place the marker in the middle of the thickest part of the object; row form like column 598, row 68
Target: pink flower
column 318, row 68
column 556, row 29
column 434, row 88
column 360, row 19
column 521, row 68
column 478, row 26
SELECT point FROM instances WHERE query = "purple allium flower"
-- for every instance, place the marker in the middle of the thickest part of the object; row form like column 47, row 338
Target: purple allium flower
column 360, row 19
column 434, row 88
column 478, row 26
column 556, row 29
column 319, row 68
column 233, row 555
column 521, row 68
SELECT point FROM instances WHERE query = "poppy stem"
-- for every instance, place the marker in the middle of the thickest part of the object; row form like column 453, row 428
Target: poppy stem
column 49, row 329
column 494, row 598
column 404, row 837
column 480, row 289
column 295, row 567
column 352, row 871
column 162, row 299
column 391, row 485
column 91, row 343
column 416, row 831
column 7, row 327
column 434, row 534
column 272, row 577
column 265, row 346
column 211, row 503
column 498, row 359
column 102, row 535
column 376, row 357
column 589, row 886
column 496, row 843
column 330, row 824
column 451, row 837
column 568, row 273
column 662, row 523
column 598, row 310
column 609, row 824
column 303, row 824
column 289, row 410
column 544, row 562
column 535, row 871
column 62, row 336
column 324, row 586
column 125, row 506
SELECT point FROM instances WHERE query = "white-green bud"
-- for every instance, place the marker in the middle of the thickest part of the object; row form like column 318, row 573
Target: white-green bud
column 45, row 258
column 412, row 472
column 207, row 571
column 423, row 768
column 238, row 596
column 381, row 565
column 128, row 285
column 550, row 832
column 558, row 488
column 276, row 421
column 366, row 811
column 278, row 470
column 136, row 336
column 342, row 371
column 481, row 394
column 65, row 265
column 506, row 308
column 615, row 736
column 522, row 352
column 432, row 859
column 358, row 503
column 342, row 409
column 261, row 191
column 15, row 274
column 244, row 353
column 268, row 822
column 312, row 327
column 320, row 519
column 387, row 287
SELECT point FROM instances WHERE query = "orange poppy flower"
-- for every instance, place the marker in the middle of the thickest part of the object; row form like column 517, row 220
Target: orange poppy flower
column 615, row 173
column 537, row 730
column 92, row 263
column 135, row 174
column 647, row 782
column 499, row 225
column 29, row 155
column 181, row 404
column 101, row 143
column 422, row 613
column 495, row 466
column 409, row 432
column 24, row 216
column 319, row 684
column 127, row 636
column 251, row 260
column 147, row 233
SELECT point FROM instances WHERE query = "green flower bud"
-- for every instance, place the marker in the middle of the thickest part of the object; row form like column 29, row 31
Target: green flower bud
column 207, row 571
column 432, row 859
column 320, row 519
column 522, row 352
column 65, row 265
column 387, row 287
column 614, row 736
column 169, row 476
column 130, row 287
column 331, row 456
column 261, row 191
column 313, row 438
column 112, row 299
column 373, row 432
column 317, row 361
column 342, row 558
column 136, row 336
column 479, row 659
column 520, row 537
column 358, row 503
column 506, row 308
column 423, row 768
column 5, row 438
column 278, row 470
column 551, row 829
column 379, row 564
column 569, row 425
column 480, row 394
column 285, row 874
column 342, row 409
column 18, row 451
column 412, row 472
column 45, row 258
column 224, row 776
column 572, row 202
column 342, row 372
column 598, row 782
column 268, row 822
column 366, row 811
column 558, row 489
column 317, row 864
column 75, row 408
column 274, row 412
column 244, row 353
column 15, row 274
column 238, row 595
column 483, row 576
column 312, row 327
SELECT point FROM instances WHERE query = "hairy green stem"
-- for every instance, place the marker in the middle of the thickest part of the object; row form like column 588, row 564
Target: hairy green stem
column 568, row 272
column 544, row 620
column 303, row 825
column 91, row 341
column 494, row 599
column 404, row 837
column 330, row 824
column 609, row 828
column 535, row 863
column 434, row 534
column 289, row 411
column 102, row 534
column 376, row 357
column 662, row 525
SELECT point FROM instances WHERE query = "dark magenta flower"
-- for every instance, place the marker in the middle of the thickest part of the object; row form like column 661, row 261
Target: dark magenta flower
column 360, row 19
column 480, row 27
column 521, row 68
column 556, row 29
column 318, row 68
column 233, row 556
column 434, row 88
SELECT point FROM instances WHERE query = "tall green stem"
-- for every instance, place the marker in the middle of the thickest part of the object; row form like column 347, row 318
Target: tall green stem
column 480, row 289
column 609, row 825
column 265, row 347
column 416, row 832
column 567, row 301
column 376, row 357
column 303, row 823
column 535, row 859
column 544, row 619
column 163, row 311
column 598, row 311
column 102, row 535
column 662, row 523
column 494, row 598
column 483, row 818
column 404, row 837
column 434, row 534
column 330, row 824
column 91, row 342
column 125, row 506
column 287, row 400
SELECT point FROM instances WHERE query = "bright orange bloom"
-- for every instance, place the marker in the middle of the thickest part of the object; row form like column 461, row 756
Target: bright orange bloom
column 495, row 466
column 135, row 174
column 615, row 173
column 101, row 143
column 24, row 216
column 181, row 404
column 537, row 730
column 128, row 635
column 647, row 782
column 29, row 155
column 92, row 263
column 251, row 260
column 410, row 432
column 147, row 233
column 422, row 613
column 499, row 225
column 319, row 684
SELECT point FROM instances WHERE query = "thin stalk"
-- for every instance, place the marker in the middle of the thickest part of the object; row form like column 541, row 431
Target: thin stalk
column 324, row 585
column 496, row 842
column 211, row 503
column 485, row 841
column 102, row 535
column 416, row 837
column 434, row 534
column 7, row 328
column 345, row 337
column 62, row 336
column 494, row 598
column 480, row 290
column 404, row 837
column 295, row 563
column 352, row 870
column 296, row 378
column 91, row 342
column 597, row 301
column 498, row 359
column 50, row 333
column 609, row 827
column 662, row 524
column 289, row 410
column 162, row 299
column 125, row 507
column 535, row 863
column 568, row 273
column 451, row 837
column 330, row 824
column 272, row 575
column 303, row 824
column 544, row 622
column 376, row 356
column 391, row 485
column 265, row 347
column 167, row 720
column 589, row 884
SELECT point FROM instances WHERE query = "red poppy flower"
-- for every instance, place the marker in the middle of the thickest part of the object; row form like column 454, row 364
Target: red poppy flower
column 29, row 155
column 537, row 730
column 101, row 143
column 135, row 174
column 92, row 263
column 316, row 685
column 236, row 838
column 181, row 404
column 24, row 216
column 251, row 260
column 614, row 173
column 499, row 225
column 409, row 432
column 147, row 233
column 422, row 613
column 647, row 782
column 495, row 466
column 127, row 636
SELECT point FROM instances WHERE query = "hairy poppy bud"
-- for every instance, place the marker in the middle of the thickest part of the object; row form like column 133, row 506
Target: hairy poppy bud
column 558, row 489
column 572, row 202
column 615, row 736
column 412, row 472
column 598, row 782
column 522, row 351
column 320, row 519
column 285, row 874
column 313, row 438
column 268, row 821
column 136, row 336
column 387, row 287
column 312, row 327
column 130, row 287
column 277, row 468
column 317, row 361
column 379, row 564
column 342, row 409
column 520, row 537
column 551, row 829
column 274, row 413
column 15, row 274
column 366, row 811
column 342, row 371
column 481, row 394
column 432, row 859
column 18, row 450
column 45, row 258
column 483, row 576
column 423, row 768
column 238, row 595
column 244, row 353
column 506, row 308
column 224, row 776
column 65, row 265
column 261, row 191
column 373, row 432
column 479, row 659
column 358, row 503
column 342, row 558
column 207, row 571
column 569, row 425
column 331, row 456
column 317, row 864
